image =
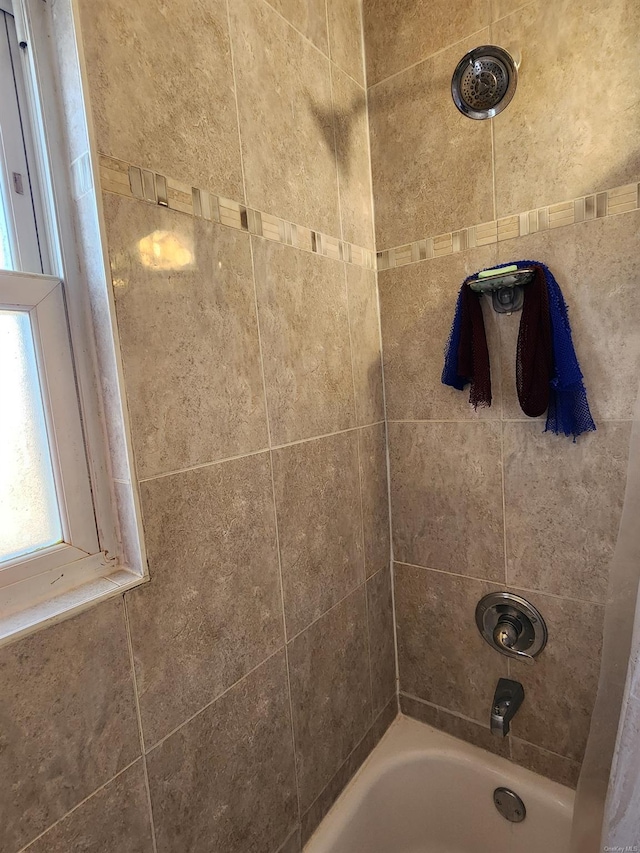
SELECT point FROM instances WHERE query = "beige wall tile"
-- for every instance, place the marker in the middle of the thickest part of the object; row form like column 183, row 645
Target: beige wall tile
column 417, row 305
column 189, row 338
column 319, row 525
column 345, row 36
column 67, row 719
column 304, row 328
column 354, row 166
column 561, row 688
column 365, row 344
column 442, row 656
column 555, row 767
column 565, row 133
column 293, row 844
column 307, row 16
column 226, row 779
column 502, row 8
column 475, row 733
column 563, row 503
column 161, row 88
column 286, row 119
column 597, row 272
column 446, row 497
column 313, row 816
column 375, row 497
column 399, row 33
column 381, row 639
column 213, row 608
column 432, row 167
column 115, row 818
column 330, row 693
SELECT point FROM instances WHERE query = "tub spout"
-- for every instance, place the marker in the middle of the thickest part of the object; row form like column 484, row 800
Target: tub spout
column 507, row 699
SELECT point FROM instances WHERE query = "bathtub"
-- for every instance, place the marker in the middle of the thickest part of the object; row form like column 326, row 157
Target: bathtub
column 422, row 791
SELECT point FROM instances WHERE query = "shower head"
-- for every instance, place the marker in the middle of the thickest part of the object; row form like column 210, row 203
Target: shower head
column 484, row 82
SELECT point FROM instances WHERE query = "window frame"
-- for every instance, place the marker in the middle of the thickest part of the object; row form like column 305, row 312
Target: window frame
column 23, row 212
column 42, row 298
column 63, row 579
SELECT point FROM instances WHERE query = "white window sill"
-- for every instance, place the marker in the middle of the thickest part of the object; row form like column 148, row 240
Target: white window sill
column 69, row 603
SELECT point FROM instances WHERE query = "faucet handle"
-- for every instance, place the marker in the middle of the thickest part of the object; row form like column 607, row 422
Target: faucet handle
column 511, row 625
column 507, row 633
column 524, row 657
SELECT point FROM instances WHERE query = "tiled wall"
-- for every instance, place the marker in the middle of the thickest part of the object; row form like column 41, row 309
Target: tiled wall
column 485, row 500
column 224, row 705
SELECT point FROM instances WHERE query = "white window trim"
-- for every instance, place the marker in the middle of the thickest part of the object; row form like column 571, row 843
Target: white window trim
column 29, row 579
column 94, row 567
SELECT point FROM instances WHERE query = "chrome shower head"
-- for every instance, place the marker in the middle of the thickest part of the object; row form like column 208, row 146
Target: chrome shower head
column 484, row 82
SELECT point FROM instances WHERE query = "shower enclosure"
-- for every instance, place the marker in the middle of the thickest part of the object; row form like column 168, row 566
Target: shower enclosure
column 276, row 203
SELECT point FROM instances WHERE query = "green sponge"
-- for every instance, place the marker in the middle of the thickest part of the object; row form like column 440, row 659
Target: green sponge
column 501, row 271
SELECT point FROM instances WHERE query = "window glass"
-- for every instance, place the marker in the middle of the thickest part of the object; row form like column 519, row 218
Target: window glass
column 29, row 516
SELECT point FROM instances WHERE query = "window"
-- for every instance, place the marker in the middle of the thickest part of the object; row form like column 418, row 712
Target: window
column 50, row 537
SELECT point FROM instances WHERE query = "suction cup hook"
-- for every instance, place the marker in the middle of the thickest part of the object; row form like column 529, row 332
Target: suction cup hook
column 508, row 299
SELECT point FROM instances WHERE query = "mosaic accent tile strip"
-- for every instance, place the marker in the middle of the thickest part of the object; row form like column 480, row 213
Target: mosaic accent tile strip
column 609, row 203
column 131, row 181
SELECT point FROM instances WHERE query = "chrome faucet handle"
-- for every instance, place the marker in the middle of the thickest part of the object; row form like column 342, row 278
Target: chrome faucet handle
column 511, row 625
column 524, row 657
column 506, row 634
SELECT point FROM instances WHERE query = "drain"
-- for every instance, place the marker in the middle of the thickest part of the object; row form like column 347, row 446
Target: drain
column 509, row 805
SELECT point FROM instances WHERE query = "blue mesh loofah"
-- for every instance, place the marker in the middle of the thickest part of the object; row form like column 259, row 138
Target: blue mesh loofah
column 450, row 374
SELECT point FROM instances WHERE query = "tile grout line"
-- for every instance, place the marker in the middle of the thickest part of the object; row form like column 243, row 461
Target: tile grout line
column 284, row 619
column 525, row 4
column 335, row 148
column 342, row 763
column 286, row 642
column 326, row 23
column 328, row 610
column 497, row 583
column 310, row 42
column 213, row 701
column 360, row 494
column 460, row 716
column 389, row 506
column 504, row 505
column 381, row 352
column 493, row 170
column 77, row 806
column 254, row 453
column 236, row 102
column 139, row 719
column 427, row 58
column 277, row 531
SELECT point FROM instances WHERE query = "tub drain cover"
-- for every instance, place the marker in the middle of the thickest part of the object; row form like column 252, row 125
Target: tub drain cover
column 509, row 805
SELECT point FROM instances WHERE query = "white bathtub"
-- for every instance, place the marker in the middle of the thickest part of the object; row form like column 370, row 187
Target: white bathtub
column 422, row 791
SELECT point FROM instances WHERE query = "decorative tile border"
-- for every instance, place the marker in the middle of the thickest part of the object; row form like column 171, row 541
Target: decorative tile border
column 609, row 203
column 124, row 179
